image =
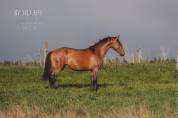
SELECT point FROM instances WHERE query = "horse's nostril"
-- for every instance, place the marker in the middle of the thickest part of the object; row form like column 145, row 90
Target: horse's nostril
column 122, row 54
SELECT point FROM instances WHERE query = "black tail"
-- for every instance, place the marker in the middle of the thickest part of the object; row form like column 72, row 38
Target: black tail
column 47, row 68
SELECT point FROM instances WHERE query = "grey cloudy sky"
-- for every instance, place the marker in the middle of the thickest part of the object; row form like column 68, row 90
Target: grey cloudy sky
column 145, row 24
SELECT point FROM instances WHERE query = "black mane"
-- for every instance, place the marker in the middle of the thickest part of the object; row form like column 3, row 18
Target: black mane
column 99, row 43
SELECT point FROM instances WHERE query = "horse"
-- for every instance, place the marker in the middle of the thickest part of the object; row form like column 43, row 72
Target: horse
column 88, row 59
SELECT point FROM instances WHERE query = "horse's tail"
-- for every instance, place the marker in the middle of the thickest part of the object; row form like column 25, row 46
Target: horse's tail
column 47, row 68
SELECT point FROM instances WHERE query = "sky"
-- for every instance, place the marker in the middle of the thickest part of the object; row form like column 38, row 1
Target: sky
column 145, row 24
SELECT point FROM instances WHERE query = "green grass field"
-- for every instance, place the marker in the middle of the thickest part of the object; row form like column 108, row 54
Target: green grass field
column 152, row 86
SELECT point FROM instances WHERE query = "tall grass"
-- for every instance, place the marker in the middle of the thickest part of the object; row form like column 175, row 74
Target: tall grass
column 141, row 112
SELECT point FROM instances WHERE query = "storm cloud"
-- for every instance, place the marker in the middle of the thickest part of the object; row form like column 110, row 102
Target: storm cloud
column 145, row 24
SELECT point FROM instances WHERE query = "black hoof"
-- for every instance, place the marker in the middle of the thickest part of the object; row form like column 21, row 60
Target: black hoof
column 55, row 86
column 94, row 88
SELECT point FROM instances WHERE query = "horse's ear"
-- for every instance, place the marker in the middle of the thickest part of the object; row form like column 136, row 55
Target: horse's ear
column 118, row 36
column 113, row 39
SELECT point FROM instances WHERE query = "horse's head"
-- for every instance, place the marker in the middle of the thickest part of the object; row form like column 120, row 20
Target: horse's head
column 117, row 45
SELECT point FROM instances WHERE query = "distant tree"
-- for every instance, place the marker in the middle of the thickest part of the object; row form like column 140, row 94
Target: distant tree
column 139, row 55
column 164, row 54
column 177, row 59
column 43, row 54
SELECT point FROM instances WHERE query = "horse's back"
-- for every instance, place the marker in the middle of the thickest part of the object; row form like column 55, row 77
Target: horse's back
column 77, row 59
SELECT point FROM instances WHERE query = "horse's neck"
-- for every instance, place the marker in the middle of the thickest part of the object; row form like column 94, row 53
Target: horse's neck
column 102, row 50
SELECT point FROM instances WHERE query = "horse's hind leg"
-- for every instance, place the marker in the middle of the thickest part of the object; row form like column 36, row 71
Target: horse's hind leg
column 52, row 81
column 53, row 78
column 55, row 71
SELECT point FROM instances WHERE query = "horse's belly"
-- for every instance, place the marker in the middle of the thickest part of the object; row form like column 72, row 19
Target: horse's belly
column 79, row 64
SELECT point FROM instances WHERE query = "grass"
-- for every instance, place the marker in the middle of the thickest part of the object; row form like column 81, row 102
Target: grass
column 19, row 112
column 151, row 87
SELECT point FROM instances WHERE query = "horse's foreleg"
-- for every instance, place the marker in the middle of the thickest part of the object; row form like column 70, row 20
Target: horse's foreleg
column 94, row 79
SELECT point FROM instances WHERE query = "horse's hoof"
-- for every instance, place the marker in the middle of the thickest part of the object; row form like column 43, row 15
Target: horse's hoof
column 56, row 86
column 47, row 86
column 94, row 89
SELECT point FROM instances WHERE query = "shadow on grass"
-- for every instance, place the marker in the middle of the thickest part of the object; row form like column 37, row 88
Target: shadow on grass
column 104, row 85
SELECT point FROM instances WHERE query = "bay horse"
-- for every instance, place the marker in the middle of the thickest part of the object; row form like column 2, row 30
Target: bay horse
column 88, row 59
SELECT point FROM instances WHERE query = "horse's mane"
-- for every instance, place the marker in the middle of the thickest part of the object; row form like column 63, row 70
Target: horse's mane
column 99, row 43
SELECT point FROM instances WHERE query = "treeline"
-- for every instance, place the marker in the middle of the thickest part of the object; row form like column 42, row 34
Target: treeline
column 126, row 61
column 106, row 61
column 8, row 63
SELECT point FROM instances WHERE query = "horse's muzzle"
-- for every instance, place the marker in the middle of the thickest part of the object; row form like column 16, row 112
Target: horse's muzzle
column 122, row 54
